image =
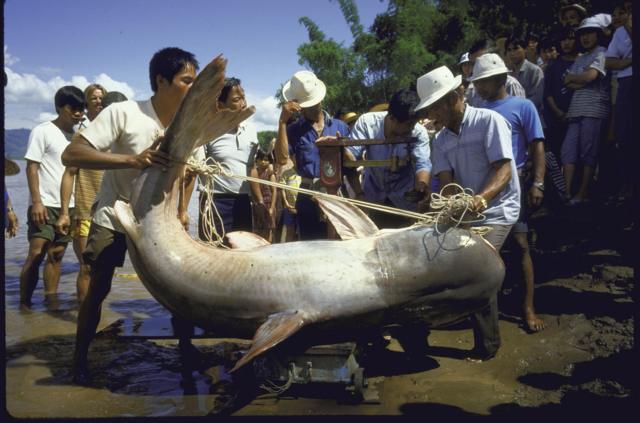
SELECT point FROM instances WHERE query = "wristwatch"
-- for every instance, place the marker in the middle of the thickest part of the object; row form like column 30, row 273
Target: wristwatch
column 539, row 185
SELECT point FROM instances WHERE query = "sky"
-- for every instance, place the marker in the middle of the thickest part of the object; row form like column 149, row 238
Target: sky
column 49, row 44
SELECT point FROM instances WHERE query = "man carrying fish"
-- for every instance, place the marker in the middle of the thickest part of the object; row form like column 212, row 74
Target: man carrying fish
column 123, row 140
column 474, row 146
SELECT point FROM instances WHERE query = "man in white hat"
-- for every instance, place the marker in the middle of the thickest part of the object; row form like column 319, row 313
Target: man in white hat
column 304, row 93
column 478, row 49
column 489, row 77
column 588, row 111
column 475, row 145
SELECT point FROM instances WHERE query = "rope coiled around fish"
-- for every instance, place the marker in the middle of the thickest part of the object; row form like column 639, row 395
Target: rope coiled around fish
column 446, row 208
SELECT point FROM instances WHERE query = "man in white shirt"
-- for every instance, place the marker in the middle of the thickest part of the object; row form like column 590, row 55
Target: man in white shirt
column 123, row 139
column 47, row 141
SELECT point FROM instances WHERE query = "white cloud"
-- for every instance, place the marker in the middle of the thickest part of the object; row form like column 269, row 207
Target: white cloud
column 46, row 116
column 8, row 58
column 29, row 98
column 267, row 112
column 113, row 85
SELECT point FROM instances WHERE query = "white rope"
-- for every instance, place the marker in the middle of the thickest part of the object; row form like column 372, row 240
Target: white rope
column 274, row 388
column 446, row 206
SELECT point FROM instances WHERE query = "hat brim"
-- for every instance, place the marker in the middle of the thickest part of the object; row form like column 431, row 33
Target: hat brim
column 587, row 28
column 10, row 167
column 489, row 74
column 317, row 97
column 455, row 83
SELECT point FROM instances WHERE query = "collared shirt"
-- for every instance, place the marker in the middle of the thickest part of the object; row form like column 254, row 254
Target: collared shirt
column 485, row 137
column 514, row 88
column 525, row 124
column 381, row 183
column 621, row 47
column 302, row 143
column 233, row 151
column 531, row 77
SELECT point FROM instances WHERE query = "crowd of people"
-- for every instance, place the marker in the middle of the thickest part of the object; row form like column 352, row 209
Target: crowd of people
column 522, row 110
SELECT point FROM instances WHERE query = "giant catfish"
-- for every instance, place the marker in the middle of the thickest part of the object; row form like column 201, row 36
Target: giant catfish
column 370, row 278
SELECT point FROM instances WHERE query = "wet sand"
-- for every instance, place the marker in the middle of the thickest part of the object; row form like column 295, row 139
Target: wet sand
column 580, row 365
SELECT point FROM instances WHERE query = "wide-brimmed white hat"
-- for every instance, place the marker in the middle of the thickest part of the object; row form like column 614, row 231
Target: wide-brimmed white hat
column 487, row 65
column 305, row 88
column 464, row 58
column 589, row 23
column 434, row 85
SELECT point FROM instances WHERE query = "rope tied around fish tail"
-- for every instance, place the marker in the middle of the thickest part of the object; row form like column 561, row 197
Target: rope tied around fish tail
column 449, row 210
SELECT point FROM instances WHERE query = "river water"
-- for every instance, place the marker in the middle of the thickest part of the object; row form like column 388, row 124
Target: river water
column 132, row 376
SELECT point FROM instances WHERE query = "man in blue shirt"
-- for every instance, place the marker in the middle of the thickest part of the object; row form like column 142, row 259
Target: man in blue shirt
column 386, row 185
column 304, row 93
column 490, row 74
column 475, row 146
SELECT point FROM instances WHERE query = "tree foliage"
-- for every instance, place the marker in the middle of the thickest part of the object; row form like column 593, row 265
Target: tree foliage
column 412, row 37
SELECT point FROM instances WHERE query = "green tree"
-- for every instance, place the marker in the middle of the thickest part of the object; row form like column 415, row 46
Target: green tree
column 265, row 137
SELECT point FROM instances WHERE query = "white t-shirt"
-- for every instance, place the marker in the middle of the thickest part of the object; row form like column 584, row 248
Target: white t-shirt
column 46, row 144
column 128, row 127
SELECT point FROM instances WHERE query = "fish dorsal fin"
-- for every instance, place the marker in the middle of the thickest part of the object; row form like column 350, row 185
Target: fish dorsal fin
column 349, row 221
column 276, row 329
column 245, row 240
column 127, row 220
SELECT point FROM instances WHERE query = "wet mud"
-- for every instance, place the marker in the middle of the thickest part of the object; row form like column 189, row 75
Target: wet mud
column 580, row 365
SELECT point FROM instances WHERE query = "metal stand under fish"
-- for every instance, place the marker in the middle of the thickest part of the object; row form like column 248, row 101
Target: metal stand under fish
column 273, row 293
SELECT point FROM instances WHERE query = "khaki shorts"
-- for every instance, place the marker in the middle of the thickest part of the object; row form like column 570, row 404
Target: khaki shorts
column 81, row 228
column 105, row 247
column 47, row 231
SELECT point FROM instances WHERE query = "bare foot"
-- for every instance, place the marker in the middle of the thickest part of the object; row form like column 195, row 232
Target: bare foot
column 534, row 323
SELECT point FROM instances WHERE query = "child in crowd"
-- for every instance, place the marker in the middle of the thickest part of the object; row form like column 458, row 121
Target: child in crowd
column 588, row 110
column 289, row 220
column 265, row 196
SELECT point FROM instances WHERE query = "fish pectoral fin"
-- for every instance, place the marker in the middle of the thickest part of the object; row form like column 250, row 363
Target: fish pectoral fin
column 276, row 329
column 245, row 240
column 349, row 220
column 125, row 216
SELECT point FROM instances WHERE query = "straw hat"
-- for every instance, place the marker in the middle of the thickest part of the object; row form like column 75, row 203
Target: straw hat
column 575, row 6
column 305, row 88
column 487, row 65
column 10, row 167
column 436, row 84
column 382, row 107
column 349, row 117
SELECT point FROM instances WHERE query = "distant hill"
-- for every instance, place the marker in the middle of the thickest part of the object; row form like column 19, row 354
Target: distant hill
column 15, row 142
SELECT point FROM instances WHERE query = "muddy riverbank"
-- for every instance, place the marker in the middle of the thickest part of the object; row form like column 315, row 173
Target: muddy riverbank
column 580, row 365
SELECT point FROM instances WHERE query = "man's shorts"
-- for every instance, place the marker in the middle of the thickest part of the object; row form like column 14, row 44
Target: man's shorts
column 47, row 231
column 288, row 218
column 105, row 247
column 81, row 228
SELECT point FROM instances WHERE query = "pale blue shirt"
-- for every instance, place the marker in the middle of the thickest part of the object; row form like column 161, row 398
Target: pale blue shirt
column 621, row 47
column 381, row 183
column 485, row 137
